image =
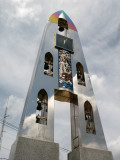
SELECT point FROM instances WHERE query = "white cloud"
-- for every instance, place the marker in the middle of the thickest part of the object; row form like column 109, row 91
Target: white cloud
column 22, row 11
column 99, row 83
column 30, row 125
column 115, row 147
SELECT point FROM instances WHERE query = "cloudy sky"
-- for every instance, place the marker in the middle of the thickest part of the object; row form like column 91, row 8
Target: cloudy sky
column 21, row 26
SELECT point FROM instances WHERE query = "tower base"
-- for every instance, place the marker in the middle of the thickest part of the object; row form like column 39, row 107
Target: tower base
column 34, row 149
column 83, row 153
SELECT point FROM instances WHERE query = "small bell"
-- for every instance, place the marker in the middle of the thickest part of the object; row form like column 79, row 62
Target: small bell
column 46, row 67
column 61, row 29
column 39, row 107
column 83, row 79
column 79, row 76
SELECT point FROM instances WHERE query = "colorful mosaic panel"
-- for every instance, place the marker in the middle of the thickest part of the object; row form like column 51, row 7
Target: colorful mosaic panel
column 65, row 73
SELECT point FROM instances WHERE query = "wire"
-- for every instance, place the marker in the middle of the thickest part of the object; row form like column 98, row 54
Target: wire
column 10, row 133
column 5, row 148
column 9, row 125
column 1, row 117
column 66, row 150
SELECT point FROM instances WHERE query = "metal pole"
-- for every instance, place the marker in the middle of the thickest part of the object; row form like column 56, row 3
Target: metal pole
column 3, row 124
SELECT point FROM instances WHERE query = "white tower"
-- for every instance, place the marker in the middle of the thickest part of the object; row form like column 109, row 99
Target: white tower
column 60, row 75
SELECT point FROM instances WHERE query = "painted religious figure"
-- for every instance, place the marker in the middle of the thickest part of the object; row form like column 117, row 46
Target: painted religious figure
column 65, row 74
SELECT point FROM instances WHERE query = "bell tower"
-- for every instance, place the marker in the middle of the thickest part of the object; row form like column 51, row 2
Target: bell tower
column 60, row 77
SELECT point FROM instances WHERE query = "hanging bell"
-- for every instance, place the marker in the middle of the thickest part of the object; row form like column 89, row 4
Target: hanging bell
column 46, row 67
column 79, row 76
column 39, row 107
column 83, row 79
column 61, row 29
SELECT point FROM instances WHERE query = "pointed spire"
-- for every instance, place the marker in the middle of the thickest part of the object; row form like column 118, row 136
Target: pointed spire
column 62, row 16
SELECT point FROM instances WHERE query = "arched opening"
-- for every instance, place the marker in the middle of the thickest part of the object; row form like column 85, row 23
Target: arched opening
column 62, row 22
column 90, row 125
column 80, row 74
column 48, row 64
column 42, row 107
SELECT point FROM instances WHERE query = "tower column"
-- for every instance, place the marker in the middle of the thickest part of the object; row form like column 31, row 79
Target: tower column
column 60, row 74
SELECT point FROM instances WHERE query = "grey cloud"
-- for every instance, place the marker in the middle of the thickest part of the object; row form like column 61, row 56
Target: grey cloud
column 115, row 38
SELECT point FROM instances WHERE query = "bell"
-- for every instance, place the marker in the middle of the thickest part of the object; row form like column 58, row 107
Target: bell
column 61, row 29
column 79, row 76
column 83, row 79
column 46, row 67
column 39, row 107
